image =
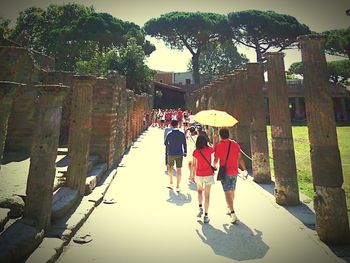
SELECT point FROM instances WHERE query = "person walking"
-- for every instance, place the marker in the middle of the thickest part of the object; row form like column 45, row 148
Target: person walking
column 191, row 145
column 204, row 174
column 176, row 145
column 229, row 153
column 166, row 132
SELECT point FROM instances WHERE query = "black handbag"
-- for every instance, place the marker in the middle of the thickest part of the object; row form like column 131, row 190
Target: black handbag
column 222, row 169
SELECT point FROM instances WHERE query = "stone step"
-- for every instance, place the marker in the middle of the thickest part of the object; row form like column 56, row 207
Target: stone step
column 63, row 199
column 94, row 177
column 93, row 160
column 62, row 164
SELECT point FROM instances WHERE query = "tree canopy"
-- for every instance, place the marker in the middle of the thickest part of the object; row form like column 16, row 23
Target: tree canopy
column 128, row 61
column 338, row 42
column 187, row 30
column 338, row 70
column 264, row 30
column 73, row 32
column 217, row 59
column 4, row 27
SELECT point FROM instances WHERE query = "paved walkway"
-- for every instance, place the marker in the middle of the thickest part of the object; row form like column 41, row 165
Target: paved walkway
column 150, row 223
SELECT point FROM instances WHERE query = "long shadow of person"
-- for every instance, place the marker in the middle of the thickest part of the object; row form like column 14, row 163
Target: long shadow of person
column 236, row 242
column 179, row 198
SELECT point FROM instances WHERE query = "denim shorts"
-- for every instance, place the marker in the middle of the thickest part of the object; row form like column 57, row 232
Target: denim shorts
column 229, row 184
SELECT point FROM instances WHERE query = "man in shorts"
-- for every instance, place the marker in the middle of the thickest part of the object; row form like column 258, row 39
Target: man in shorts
column 176, row 145
column 233, row 159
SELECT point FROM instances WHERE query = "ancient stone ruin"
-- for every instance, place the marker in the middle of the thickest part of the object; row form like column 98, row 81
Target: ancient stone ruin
column 60, row 134
column 241, row 94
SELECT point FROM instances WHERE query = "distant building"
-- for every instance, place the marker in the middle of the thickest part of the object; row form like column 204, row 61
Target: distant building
column 164, row 77
column 183, row 78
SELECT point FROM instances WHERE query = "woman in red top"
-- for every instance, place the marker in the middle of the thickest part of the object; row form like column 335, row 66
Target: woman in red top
column 204, row 173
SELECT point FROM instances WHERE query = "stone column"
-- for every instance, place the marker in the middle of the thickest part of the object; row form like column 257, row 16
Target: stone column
column 7, row 92
column 39, row 192
column 79, row 132
column 332, row 223
column 242, row 114
column 286, row 191
column 258, row 133
column 104, row 119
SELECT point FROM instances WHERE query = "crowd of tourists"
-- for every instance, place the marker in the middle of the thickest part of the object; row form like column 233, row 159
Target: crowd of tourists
column 181, row 136
column 162, row 117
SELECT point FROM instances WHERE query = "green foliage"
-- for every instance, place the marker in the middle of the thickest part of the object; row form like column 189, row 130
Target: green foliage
column 187, row 29
column 73, row 32
column 217, row 59
column 303, row 161
column 128, row 61
column 296, row 68
column 338, row 70
column 338, row 42
column 97, row 65
column 263, row 30
column 4, row 27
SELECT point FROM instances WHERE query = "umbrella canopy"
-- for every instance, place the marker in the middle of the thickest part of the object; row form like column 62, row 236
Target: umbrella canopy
column 215, row 118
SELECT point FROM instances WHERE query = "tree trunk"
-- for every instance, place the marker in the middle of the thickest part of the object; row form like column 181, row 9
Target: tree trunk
column 258, row 54
column 195, row 65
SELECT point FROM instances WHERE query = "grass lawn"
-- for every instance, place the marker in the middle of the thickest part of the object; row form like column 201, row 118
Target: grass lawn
column 302, row 156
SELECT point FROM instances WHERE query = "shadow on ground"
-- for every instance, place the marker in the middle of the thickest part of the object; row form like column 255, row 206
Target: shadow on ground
column 236, row 242
column 179, row 198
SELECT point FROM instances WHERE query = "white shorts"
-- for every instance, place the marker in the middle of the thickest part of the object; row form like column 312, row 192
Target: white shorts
column 204, row 180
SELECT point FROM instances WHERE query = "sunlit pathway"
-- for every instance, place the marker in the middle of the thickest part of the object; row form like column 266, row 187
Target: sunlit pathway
column 150, row 223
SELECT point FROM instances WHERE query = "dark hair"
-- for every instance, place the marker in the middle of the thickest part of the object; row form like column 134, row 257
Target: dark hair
column 201, row 142
column 174, row 123
column 204, row 134
column 224, row 133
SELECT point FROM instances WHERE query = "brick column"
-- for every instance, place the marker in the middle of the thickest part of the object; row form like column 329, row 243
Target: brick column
column 242, row 114
column 121, row 119
column 7, row 92
column 286, row 190
column 104, row 119
column 258, row 133
column 332, row 223
column 79, row 132
column 43, row 154
column 130, row 106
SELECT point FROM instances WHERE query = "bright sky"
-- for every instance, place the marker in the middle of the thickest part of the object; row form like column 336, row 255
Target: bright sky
column 319, row 15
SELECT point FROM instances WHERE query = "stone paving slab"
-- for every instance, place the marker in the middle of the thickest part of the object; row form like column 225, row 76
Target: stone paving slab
column 94, row 176
column 63, row 199
column 150, row 223
column 18, row 241
column 47, row 251
column 65, row 228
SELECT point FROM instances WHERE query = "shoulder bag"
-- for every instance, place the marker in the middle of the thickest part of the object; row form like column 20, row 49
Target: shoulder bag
column 212, row 167
column 222, row 169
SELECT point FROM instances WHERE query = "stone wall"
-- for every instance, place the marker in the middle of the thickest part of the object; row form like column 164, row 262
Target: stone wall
column 21, row 121
column 19, row 65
